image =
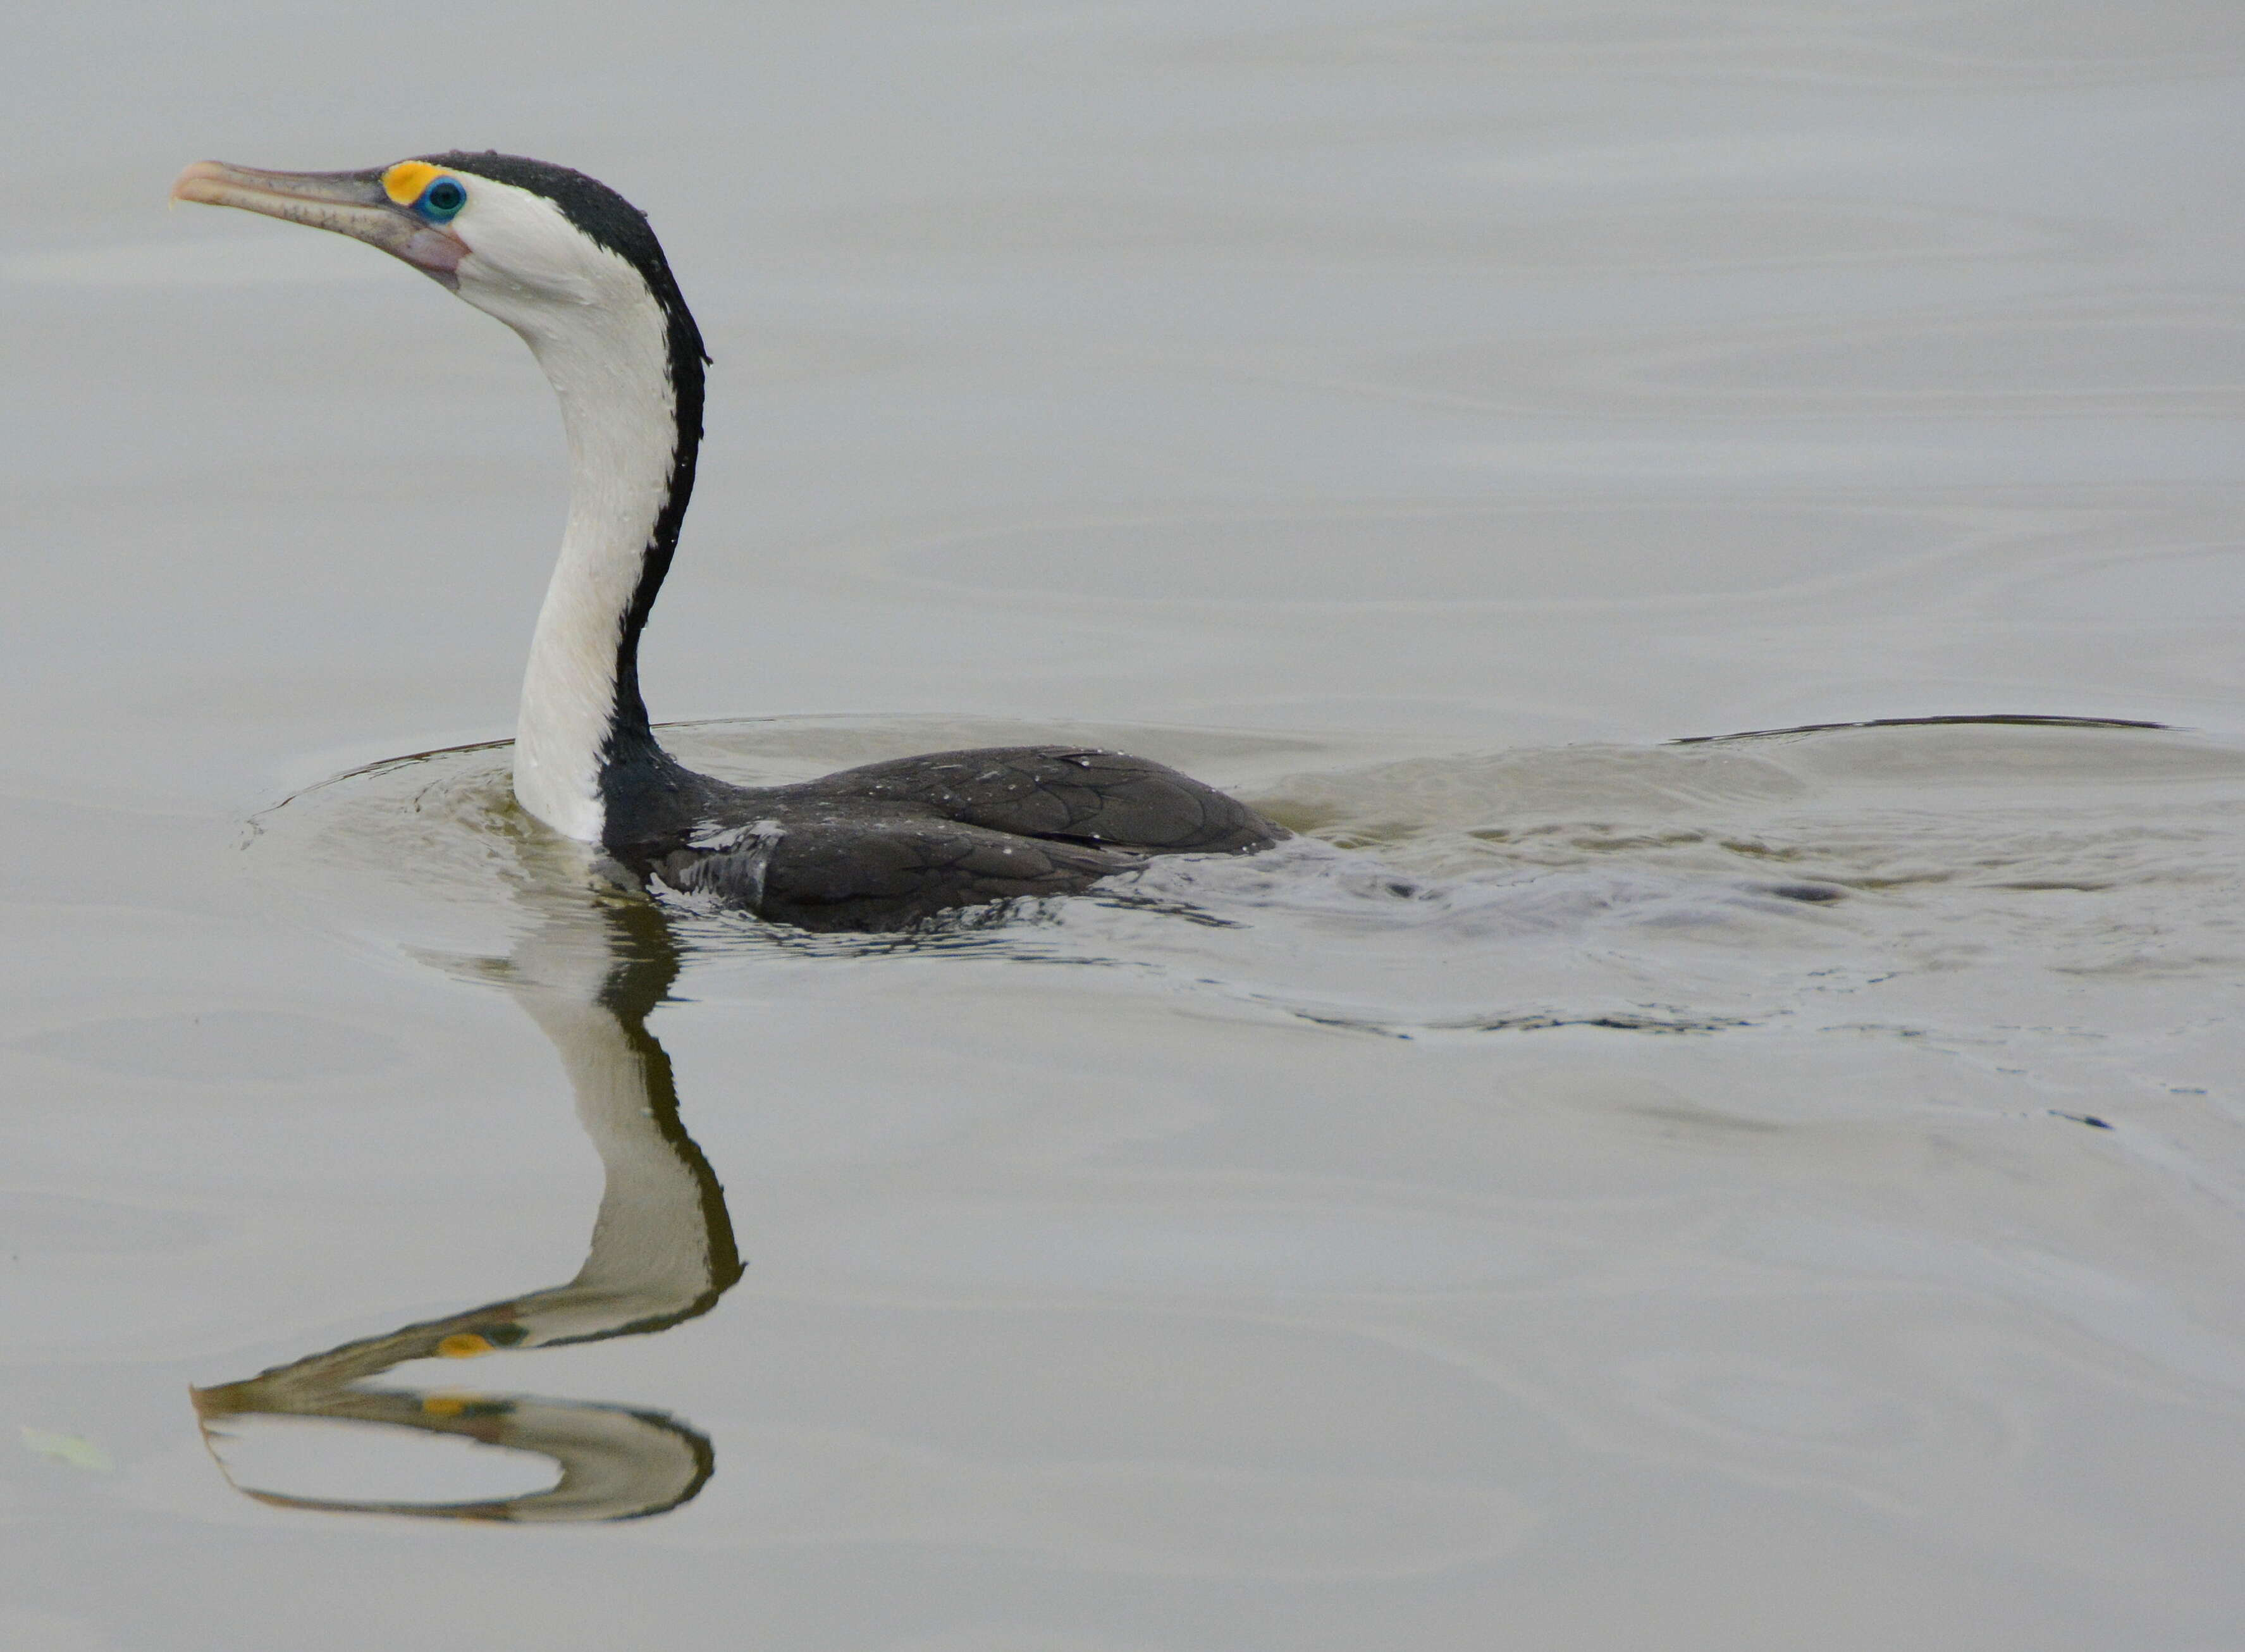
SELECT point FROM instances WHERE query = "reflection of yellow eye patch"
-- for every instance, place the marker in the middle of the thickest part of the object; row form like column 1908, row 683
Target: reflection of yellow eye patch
column 463, row 1345
column 404, row 182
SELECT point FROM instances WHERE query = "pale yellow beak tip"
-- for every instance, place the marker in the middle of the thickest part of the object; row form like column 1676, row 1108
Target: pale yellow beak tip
column 196, row 182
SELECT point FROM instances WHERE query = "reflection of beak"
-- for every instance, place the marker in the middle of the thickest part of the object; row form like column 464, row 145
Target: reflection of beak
column 351, row 203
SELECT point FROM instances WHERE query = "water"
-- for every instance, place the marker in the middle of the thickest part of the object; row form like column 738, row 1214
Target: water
column 1739, row 1193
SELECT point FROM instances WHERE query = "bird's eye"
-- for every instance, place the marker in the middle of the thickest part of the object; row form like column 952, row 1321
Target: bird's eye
column 444, row 199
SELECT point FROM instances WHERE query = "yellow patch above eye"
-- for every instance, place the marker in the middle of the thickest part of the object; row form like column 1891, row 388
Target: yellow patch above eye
column 404, row 182
column 463, row 1345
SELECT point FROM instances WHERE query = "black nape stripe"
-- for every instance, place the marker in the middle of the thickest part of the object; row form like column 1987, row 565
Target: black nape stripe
column 610, row 221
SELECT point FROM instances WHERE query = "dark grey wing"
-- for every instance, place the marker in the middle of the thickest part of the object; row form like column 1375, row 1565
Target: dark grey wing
column 862, row 872
column 1068, row 792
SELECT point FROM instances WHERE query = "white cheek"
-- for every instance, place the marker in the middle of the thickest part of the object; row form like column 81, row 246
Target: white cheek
column 492, row 280
column 523, row 256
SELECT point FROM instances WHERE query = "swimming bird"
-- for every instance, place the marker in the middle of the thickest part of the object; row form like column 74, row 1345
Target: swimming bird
column 576, row 270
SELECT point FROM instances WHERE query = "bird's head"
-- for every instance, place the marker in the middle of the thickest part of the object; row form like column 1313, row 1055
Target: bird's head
column 539, row 246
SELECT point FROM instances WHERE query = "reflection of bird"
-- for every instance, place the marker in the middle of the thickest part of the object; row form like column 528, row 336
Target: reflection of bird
column 576, row 270
column 661, row 1251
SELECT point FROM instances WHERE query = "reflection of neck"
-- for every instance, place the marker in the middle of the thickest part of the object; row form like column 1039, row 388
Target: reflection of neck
column 663, row 1246
column 662, row 1251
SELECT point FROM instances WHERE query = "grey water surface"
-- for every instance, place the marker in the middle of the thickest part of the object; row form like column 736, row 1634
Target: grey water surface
column 1591, row 1191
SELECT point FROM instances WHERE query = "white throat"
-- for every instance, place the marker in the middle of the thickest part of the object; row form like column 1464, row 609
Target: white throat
column 604, row 344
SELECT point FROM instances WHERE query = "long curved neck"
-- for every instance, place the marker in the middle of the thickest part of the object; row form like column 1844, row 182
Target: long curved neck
column 629, row 374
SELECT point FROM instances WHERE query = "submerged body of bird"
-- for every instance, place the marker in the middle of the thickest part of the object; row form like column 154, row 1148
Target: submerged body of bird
column 577, row 271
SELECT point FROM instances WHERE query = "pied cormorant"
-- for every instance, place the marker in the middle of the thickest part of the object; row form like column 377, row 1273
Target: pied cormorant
column 576, row 269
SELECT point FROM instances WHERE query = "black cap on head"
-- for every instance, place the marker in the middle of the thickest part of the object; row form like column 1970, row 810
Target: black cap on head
column 606, row 217
column 608, row 220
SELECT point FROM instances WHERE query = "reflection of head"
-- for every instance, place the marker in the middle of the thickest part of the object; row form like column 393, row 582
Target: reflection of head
column 662, row 1251
column 615, row 1464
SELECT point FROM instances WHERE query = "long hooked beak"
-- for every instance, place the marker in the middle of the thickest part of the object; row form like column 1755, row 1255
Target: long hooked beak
column 351, row 203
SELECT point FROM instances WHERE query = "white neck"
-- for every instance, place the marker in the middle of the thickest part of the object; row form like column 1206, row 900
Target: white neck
column 607, row 357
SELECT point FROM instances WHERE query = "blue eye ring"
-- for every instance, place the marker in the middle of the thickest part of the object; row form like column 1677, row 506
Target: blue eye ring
column 442, row 201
